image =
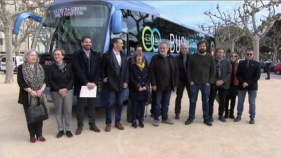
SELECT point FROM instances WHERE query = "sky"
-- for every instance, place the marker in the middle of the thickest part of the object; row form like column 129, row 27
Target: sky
column 191, row 13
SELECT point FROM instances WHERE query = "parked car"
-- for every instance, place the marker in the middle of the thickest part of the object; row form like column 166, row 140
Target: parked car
column 17, row 60
column 277, row 69
column 263, row 67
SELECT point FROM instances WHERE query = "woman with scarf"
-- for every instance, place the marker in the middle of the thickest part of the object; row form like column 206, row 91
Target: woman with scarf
column 31, row 80
column 61, row 83
column 232, row 91
column 138, row 86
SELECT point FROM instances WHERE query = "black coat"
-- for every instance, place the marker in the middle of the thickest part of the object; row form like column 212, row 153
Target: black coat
column 59, row 80
column 157, row 68
column 114, row 81
column 137, row 79
column 250, row 75
column 23, row 95
column 182, row 70
column 80, row 69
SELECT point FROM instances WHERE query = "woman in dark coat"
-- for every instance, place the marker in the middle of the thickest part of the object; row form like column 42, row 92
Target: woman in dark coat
column 138, row 86
column 31, row 80
column 61, row 82
column 232, row 91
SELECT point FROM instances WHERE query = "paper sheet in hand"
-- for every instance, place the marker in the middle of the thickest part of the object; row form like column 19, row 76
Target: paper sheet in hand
column 86, row 93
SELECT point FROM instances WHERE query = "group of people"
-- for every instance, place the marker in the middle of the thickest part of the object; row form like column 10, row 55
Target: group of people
column 164, row 74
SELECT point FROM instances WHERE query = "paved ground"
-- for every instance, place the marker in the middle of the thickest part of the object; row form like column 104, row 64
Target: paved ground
column 177, row 141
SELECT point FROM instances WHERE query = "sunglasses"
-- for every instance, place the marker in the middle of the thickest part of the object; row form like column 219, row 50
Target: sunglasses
column 249, row 54
column 233, row 56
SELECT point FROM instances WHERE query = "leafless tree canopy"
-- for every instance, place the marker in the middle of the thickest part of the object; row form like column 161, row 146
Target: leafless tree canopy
column 9, row 10
column 245, row 19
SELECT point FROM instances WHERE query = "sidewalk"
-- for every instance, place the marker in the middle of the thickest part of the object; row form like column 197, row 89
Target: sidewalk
column 222, row 140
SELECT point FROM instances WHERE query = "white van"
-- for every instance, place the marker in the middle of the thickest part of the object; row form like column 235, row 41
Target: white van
column 16, row 59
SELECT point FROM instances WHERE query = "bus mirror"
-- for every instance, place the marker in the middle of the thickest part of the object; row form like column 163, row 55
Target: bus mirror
column 21, row 18
column 116, row 22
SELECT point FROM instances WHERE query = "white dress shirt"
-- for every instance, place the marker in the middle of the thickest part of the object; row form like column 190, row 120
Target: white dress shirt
column 118, row 57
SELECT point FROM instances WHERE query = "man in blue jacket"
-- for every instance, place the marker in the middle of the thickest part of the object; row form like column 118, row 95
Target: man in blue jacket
column 248, row 74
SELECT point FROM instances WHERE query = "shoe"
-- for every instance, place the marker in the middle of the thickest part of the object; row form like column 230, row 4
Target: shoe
column 32, row 139
column 267, row 78
column 94, row 128
column 188, row 122
column 237, row 119
column 169, row 122
column 156, row 123
column 60, row 134
column 129, row 120
column 177, row 116
column 108, row 128
column 208, row 122
column 119, row 126
column 69, row 134
column 41, row 139
column 211, row 119
column 222, row 119
column 141, row 124
column 78, row 131
column 134, row 124
column 252, row 121
column 231, row 116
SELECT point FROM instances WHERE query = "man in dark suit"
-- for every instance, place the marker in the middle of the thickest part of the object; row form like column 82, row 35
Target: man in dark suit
column 87, row 71
column 248, row 74
column 182, row 61
column 115, row 76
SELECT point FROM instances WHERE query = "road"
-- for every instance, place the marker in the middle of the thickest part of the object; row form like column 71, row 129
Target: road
column 197, row 140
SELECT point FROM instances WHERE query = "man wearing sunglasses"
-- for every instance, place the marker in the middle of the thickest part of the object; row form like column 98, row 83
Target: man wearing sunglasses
column 248, row 74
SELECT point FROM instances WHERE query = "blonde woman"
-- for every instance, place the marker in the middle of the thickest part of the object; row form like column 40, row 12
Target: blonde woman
column 31, row 80
column 138, row 86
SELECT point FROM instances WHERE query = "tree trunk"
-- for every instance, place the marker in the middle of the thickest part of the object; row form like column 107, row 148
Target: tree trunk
column 9, row 55
column 17, row 48
column 232, row 44
column 274, row 55
column 256, row 47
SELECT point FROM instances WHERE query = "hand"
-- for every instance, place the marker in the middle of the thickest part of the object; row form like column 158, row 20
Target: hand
column 39, row 93
column 218, row 83
column 33, row 93
column 207, row 84
column 63, row 92
column 221, row 82
column 144, row 88
column 191, row 83
column 154, row 88
column 91, row 85
column 125, row 85
column 140, row 89
column 245, row 84
column 105, row 80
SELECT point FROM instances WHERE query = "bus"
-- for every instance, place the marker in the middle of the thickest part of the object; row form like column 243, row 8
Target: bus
column 137, row 23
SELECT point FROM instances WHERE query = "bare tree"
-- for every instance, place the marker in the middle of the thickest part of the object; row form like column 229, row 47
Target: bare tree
column 245, row 18
column 273, row 40
column 9, row 11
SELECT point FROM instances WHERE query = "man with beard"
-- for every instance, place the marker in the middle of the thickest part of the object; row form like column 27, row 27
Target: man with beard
column 182, row 61
column 201, row 74
column 86, row 69
column 164, row 78
column 115, row 76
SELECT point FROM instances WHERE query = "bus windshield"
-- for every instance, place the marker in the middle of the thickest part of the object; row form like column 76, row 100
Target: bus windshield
column 64, row 26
